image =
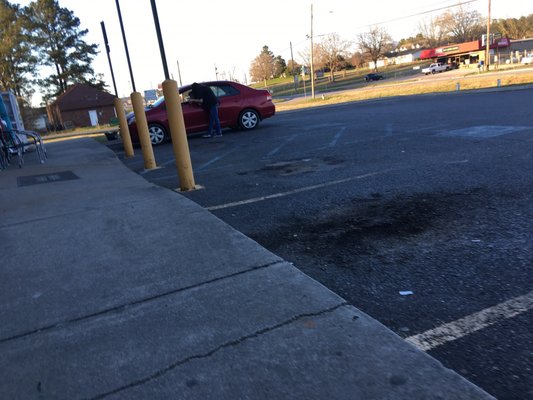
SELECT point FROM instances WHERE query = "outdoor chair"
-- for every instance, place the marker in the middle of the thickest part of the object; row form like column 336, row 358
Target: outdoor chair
column 12, row 145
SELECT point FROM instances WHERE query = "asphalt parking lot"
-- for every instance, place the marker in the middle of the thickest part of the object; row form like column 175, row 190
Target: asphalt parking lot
column 416, row 210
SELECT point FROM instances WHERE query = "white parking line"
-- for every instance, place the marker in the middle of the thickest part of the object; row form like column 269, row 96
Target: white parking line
column 288, row 140
column 472, row 323
column 337, row 136
column 389, row 130
column 213, row 160
column 291, row 192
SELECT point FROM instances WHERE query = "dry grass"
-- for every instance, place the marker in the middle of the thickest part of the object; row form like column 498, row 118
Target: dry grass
column 407, row 88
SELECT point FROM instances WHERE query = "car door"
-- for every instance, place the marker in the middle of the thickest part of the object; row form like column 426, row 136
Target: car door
column 195, row 117
column 230, row 103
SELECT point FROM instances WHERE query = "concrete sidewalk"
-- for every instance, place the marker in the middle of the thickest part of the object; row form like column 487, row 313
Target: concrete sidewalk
column 112, row 287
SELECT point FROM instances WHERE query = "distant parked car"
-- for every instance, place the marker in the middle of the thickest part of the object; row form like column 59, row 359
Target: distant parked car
column 373, row 77
column 239, row 107
column 527, row 60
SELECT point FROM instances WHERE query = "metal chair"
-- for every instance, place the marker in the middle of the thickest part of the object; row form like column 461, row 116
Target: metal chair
column 33, row 139
column 11, row 145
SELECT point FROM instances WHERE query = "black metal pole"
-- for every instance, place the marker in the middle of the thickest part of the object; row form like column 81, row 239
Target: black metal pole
column 125, row 46
column 160, row 40
column 108, row 50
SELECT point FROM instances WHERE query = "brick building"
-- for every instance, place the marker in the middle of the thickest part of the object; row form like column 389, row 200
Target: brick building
column 80, row 106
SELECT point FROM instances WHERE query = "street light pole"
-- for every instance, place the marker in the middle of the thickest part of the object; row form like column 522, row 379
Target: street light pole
column 487, row 43
column 312, row 59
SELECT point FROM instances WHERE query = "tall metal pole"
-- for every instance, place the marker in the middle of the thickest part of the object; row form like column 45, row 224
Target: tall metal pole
column 487, row 43
column 176, row 122
column 125, row 46
column 108, row 50
column 312, row 59
column 160, row 40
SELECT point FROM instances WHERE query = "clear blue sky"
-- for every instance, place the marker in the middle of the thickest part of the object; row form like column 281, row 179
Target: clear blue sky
column 230, row 34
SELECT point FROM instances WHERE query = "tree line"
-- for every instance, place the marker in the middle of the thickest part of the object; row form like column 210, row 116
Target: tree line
column 332, row 53
column 42, row 46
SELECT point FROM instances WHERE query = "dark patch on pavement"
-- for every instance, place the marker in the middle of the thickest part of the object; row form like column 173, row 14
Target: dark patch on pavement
column 363, row 226
column 305, row 165
column 46, row 178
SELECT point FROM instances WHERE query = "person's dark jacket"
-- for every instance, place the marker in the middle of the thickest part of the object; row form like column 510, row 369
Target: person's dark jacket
column 209, row 99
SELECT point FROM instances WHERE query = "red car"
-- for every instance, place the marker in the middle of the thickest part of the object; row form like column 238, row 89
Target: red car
column 240, row 107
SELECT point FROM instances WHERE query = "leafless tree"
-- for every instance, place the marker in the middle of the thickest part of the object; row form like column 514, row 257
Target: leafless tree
column 332, row 51
column 229, row 75
column 318, row 62
column 374, row 44
column 432, row 32
column 461, row 24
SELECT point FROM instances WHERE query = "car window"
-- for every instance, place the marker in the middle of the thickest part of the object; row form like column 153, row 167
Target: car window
column 224, row 90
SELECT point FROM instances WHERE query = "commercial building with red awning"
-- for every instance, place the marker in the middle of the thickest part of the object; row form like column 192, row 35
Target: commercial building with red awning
column 467, row 53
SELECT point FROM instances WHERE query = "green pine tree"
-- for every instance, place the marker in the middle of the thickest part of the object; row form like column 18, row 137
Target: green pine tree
column 59, row 39
column 17, row 62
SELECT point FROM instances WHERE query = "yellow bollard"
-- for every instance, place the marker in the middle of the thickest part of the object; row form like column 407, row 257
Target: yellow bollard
column 124, row 131
column 142, row 130
column 178, row 134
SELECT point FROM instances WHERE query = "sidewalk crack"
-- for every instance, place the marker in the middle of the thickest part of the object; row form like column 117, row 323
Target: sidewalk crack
column 122, row 307
column 209, row 353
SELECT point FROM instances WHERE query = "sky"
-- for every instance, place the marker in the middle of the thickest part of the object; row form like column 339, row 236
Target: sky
column 207, row 37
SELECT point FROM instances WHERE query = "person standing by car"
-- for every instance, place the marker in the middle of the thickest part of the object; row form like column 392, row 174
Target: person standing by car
column 204, row 96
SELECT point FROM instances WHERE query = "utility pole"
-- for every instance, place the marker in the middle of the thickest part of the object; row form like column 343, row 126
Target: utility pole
column 292, row 60
column 312, row 60
column 487, row 43
column 294, row 76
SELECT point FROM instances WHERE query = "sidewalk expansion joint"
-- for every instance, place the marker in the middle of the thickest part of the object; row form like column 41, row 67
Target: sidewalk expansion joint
column 231, row 343
column 78, row 211
column 122, row 307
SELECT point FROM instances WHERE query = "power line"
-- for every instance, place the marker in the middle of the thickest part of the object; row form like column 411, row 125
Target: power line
column 417, row 14
column 393, row 20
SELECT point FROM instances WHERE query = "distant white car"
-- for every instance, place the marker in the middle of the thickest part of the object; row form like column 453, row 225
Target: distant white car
column 527, row 60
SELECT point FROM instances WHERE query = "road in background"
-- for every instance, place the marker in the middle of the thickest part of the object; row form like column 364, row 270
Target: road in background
column 417, row 210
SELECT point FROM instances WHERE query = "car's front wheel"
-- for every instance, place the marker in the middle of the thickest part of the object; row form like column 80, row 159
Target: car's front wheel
column 248, row 119
column 158, row 134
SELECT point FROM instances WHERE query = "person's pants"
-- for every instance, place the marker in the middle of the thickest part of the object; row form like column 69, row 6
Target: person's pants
column 213, row 120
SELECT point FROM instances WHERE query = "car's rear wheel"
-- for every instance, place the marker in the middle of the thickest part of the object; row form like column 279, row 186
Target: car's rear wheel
column 248, row 119
column 158, row 134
